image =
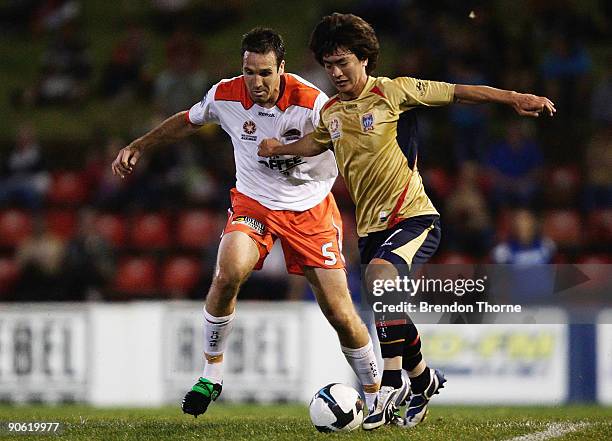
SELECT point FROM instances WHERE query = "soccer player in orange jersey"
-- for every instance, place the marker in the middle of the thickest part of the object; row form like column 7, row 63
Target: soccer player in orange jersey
column 396, row 221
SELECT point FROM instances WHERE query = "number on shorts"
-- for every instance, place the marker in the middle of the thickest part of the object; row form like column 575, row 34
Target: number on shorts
column 331, row 257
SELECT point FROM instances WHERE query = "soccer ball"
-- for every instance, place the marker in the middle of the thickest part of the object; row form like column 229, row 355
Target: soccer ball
column 336, row 407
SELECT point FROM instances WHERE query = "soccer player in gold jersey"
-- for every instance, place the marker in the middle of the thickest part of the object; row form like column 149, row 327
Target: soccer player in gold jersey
column 396, row 221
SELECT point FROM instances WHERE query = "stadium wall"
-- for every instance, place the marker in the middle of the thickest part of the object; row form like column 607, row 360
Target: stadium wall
column 148, row 354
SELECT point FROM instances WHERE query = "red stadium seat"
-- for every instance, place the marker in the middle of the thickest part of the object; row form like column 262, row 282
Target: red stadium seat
column 455, row 258
column 9, row 273
column 150, row 230
column 562, row 185
column 15, row 226
column 197, row 229
column 136, row 276
column 113, row 228
column 62, row 223
column 599, row 224
column 68, row 188
column 565, row 178
column 564, row 227
column 438, row 180
column 503, row 225
column 180, row 274
column 595, row 259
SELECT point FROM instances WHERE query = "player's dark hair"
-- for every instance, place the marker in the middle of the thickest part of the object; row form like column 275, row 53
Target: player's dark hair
column 345, row 31
column 262, row 41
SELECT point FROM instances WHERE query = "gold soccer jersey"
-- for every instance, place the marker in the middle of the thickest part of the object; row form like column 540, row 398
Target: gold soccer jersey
column 381, row 175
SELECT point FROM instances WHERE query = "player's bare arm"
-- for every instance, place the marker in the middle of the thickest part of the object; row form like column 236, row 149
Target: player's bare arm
column 303, row 147
column 172, row 129
column 525, row 104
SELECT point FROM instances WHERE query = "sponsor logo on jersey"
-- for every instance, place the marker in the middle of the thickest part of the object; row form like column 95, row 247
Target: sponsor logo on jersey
column 421, row 87
column 350, row 106
column 254, row 224
column 283, row 165
column 335, row 129
column 367, row 122
column 266, row 114
column 249, row 129
column 292, row 135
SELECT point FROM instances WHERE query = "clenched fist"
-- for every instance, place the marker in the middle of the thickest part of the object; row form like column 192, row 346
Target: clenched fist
column 269, row 147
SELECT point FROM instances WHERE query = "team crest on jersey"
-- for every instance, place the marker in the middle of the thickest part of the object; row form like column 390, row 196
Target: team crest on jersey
column 249, row 129
column 367, row 122
column 421, row 87
column 335, row 128
column 254, row 224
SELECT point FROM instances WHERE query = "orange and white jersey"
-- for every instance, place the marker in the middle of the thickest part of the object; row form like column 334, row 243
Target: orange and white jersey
column 281, row 182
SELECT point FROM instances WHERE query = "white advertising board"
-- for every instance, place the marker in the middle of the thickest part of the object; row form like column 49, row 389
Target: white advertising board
column 43, row 352
column 501, row 364
column 604, row 357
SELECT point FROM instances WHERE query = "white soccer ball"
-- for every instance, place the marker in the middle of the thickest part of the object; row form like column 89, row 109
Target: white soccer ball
column 336, row 407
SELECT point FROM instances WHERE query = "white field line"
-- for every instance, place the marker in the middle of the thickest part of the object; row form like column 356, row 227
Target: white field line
column 554, row 430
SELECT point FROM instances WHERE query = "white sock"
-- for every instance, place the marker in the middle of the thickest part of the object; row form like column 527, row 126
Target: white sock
column 213, row 372
column 216, row 332
column 369, row 400
column 363, row 363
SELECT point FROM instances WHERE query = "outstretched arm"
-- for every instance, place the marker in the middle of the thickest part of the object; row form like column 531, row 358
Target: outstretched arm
column 525, row 104
column 303, row 147
column 172, row 129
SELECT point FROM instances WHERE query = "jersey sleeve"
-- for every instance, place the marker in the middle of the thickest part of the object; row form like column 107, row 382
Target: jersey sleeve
column 321, row 134
column 204, row 111
column 406, row 93
column 315, row 115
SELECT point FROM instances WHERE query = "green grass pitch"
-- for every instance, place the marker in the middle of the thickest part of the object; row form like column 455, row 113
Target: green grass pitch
column 291, row 422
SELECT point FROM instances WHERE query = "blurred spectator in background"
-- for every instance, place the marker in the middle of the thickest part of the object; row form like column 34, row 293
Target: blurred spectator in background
column 109, row 193
column 565, row 69
column 192, row 178
column 52, row 15
column 88, row 264
column 530, row 279
column 40, row 260
column 168, row 14
column 469, row 122
column 515, row 166
column 526, row 245
column 124, row 75
column 598, row 170
column 601, row 98
column 23, row 178
column 313, row 73
column 467, row 219
column 183, row 78
column 65, row 71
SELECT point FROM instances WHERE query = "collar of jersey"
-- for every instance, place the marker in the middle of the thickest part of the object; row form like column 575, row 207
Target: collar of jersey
column 248, row 102
column 370, row 84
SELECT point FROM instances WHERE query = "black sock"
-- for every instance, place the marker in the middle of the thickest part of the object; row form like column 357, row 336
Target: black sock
column 392, row 378
column 419, row 383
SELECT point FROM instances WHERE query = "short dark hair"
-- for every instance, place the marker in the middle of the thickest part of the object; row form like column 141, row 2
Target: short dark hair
column 262, row 41
column 348, row 31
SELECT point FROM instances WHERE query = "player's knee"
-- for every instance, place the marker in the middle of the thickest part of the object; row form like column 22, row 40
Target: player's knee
column 376, row 272
column 227, row 283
